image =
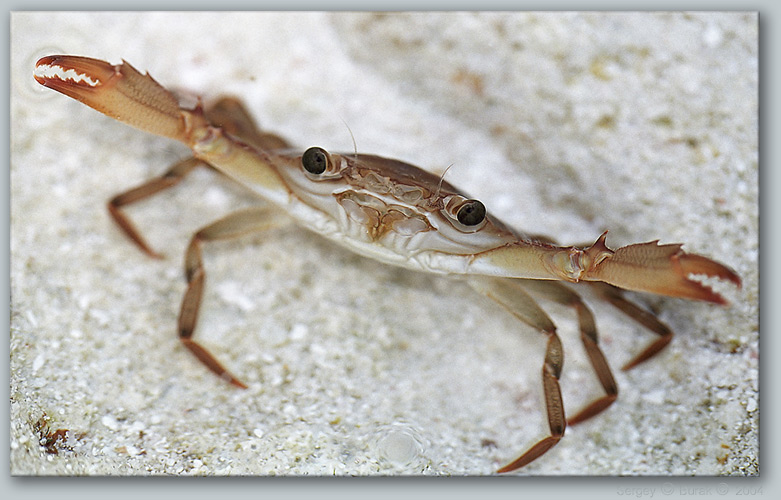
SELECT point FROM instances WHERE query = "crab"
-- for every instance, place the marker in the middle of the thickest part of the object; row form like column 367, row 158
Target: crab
column 390, row 211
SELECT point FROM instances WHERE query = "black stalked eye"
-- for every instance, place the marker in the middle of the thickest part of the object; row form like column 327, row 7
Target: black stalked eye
column 471, row 213
column 315, row 160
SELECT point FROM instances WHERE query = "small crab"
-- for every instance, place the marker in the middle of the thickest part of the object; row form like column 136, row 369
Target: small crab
column 393, row 212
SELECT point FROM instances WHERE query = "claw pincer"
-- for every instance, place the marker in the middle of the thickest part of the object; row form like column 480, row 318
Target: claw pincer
column 119, row 91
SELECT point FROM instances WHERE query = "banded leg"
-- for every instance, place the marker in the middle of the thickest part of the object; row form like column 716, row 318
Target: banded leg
column 615, row 296
column 559, row 293
column 233, row 225
column 523, row 307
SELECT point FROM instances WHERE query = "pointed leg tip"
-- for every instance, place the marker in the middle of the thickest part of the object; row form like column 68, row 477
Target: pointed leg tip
column 149, row 252
column 594, row 409
column 231, row 379
column 506, row 468
column 234, row 381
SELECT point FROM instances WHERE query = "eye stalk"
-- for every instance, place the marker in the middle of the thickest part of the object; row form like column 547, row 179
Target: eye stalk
column 316, row 160
column 471, row 213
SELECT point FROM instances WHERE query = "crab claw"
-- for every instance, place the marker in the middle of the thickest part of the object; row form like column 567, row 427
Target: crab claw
column 643, row 267
column 119, row 91
column 661, row 269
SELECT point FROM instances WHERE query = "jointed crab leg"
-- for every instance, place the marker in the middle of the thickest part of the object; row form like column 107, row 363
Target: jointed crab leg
column 230, row 115
column 523, row 307
column 169, row 179
column 557, row 292
column 512, row 295
column 238, row 223
column 616, row 297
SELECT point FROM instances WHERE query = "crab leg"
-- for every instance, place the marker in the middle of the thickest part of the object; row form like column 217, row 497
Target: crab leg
column 616, row 297
column 231, row 115
column 125, row 94
column 231, row 226
column 522, row 306
column 172, row 177
column 559, row 293
column 227, row 113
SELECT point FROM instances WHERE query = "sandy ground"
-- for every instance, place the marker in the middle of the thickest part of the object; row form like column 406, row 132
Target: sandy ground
column 563, row 124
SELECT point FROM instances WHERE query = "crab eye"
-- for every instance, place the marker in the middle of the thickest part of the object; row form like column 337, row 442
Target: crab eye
column 471, row 213
column 315, row 160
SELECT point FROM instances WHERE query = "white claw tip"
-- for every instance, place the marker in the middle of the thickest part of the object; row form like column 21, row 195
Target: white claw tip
column 50, row 72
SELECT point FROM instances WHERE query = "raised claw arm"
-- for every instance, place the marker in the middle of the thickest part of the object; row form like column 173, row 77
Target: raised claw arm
column 642, row 267
column 122, row 92
column 119, row 91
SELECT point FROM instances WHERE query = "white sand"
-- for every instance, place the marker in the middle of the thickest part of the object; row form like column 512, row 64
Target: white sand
column 562, row 124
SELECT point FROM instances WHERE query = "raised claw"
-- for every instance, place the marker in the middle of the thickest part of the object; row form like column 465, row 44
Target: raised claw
column 119, row 91
column 662, row 269
column 643, row 267
column 123, row 93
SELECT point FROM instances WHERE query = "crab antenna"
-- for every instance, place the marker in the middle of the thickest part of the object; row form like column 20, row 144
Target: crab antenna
column 352, row 136
column 442, row 179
